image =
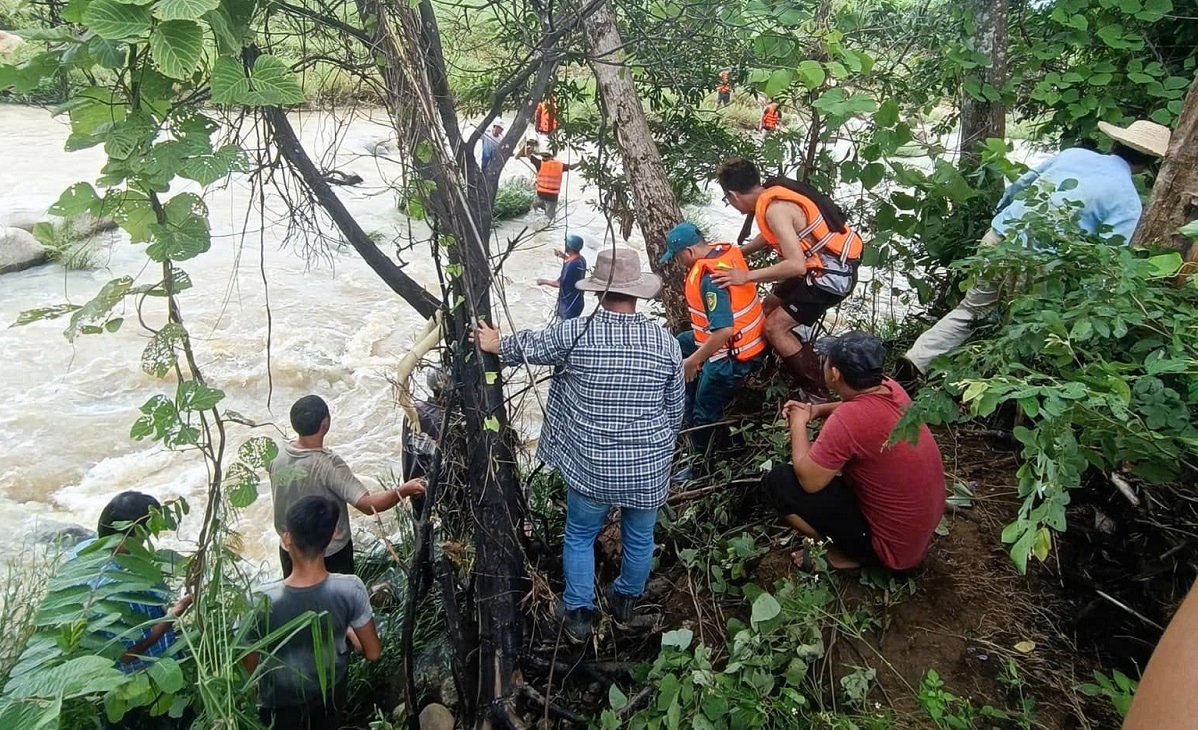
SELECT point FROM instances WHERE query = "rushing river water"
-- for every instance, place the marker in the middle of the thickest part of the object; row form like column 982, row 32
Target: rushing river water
column 336, row 330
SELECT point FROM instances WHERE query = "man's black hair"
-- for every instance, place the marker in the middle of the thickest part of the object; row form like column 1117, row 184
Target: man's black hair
column 859, row 382
column 311, row 522
column 1135, row 158
column 739, row 175
column 125, row 512
column 307, row 414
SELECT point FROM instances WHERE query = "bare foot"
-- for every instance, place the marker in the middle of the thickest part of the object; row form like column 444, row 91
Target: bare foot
column 834, row 558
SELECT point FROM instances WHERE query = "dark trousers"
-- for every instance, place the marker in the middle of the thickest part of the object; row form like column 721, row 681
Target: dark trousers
column 833, row 511
column 341, row 561
column 316, row 715
column 710, row 391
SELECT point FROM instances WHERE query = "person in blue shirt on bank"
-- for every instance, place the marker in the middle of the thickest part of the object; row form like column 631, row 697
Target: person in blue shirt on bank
column 1110, row 207
column 726, row 340
column 574, row 270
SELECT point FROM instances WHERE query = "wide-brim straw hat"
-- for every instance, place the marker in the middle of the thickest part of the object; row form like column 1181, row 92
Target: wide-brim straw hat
column 619, row 271
column 1142, row 136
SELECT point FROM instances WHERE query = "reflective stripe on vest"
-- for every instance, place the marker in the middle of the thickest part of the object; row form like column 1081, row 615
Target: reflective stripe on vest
column 748, row 318
column 816, row 237
column 549, row 177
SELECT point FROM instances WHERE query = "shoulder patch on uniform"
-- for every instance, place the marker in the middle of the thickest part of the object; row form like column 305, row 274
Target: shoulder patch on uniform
column 711, row 301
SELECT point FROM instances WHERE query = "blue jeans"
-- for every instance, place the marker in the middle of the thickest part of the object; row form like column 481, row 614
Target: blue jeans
column 584, row 520
column 711, row 390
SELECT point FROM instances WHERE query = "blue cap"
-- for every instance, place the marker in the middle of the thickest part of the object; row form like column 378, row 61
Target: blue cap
column 574, row 243
column 683, row 235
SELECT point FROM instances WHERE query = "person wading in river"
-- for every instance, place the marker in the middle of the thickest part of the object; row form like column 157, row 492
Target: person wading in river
column 305, row 467
column 611, row 423
column 819, row 255
column 574, row 270
column 550, row 173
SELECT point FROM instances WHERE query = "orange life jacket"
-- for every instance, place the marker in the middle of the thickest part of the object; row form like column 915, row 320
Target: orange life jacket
column 748, row 318
column 549, row 177
column 545, row 118
column 769, row 120
column 816, row 237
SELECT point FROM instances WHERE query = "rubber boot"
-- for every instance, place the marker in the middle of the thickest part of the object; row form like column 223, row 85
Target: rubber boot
column 808, row 373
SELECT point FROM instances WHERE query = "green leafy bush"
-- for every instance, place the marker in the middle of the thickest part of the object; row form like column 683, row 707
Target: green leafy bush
column 763, row 679
column 513, row 198
column 1097, row 352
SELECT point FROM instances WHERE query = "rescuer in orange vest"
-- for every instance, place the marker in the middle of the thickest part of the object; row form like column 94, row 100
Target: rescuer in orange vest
column 545, row 117
column 724, row 90
column 819, row 255
column 549, row 178
column 726, row 340
column 771, row 117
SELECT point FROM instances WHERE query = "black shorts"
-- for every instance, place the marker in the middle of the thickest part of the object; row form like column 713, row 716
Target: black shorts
column 832, row 511
column 805, row 302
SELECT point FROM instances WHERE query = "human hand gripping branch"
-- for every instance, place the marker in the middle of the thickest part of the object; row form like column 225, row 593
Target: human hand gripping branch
column 487, row 338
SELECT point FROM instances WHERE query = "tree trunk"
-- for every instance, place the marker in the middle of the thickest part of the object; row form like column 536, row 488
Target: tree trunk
column 1174, row 200
column 982, row 119
column 483, row 464
column 657, row 210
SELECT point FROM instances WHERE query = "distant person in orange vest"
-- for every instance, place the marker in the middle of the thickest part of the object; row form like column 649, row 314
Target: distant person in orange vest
column 724, row 90
column 726, row 340
column 819, row 255
column 549, row 179
column 771, row 118
column 545, row 118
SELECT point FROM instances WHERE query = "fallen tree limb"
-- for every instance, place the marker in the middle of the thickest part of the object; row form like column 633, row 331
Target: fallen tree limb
column 425, row 342
column 293, row 151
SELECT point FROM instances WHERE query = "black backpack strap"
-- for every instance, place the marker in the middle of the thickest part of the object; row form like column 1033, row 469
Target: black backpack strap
column 746, row 230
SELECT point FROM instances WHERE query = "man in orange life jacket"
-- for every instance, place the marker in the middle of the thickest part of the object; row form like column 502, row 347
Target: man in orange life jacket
column 727, row 337
column 771, row 117
column 724, row 90
column 819, row 256
column 545, row 118
column 549, row 180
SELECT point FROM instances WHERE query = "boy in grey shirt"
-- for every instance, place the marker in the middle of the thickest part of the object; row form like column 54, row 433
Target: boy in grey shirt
column 289, row 688
column 305, row 467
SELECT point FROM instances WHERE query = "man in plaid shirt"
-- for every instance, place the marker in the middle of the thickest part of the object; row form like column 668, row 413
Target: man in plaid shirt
column 611, row 422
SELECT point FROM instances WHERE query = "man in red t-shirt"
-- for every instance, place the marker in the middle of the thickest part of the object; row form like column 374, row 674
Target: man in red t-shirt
column 878, row 504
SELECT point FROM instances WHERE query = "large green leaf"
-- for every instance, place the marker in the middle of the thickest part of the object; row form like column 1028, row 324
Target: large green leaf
column 207, row 169
column 193, row 395
column 76, row 200
column 177, row 47
column 116, row 21
column 86, row 675
column 183, row 9
column 161, row 353
column 106, row 53
column 273, row 84
column 30, row 714
column 100, row 306
column 185, row 234
column 229, row 82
